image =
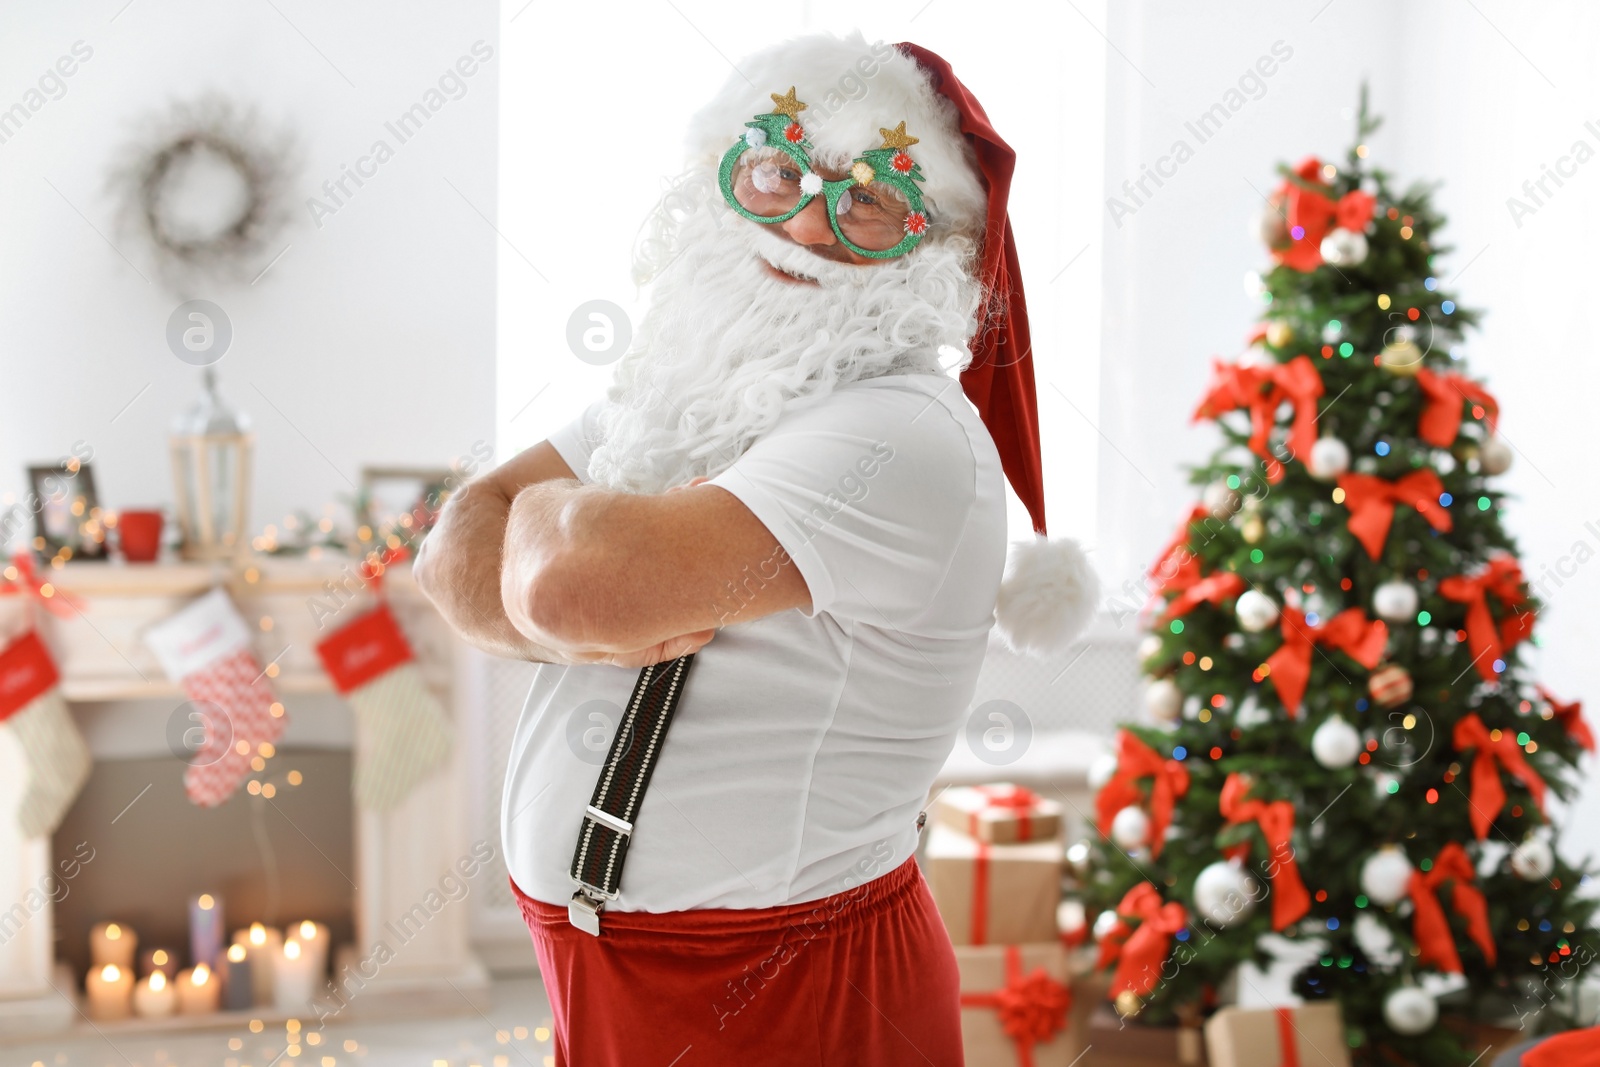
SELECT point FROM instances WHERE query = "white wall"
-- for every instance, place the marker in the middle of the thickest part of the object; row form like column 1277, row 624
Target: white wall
column 370, row 342
column 1479, row 96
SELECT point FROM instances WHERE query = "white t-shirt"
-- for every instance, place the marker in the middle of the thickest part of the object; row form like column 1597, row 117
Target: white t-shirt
column 803, row 745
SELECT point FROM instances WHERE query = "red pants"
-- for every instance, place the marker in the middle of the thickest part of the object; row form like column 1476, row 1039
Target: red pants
column 866, row 976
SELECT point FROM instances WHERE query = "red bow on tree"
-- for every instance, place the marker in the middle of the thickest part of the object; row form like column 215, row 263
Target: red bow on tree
column 1290, row 898
column 1435, row 944
column 1140, row 952
column 1194, row 590
column 1350, row 631
column 1571, row 716
column 1371, row 501
column 1488, row 796
column 1033, row 1007
column 1441, row 413
column 1261, row 388
column 1486, row 641
column 1136, row 760
column 1311, row 208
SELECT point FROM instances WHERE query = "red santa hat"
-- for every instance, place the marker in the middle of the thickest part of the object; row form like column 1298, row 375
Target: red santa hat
column 1050, row 590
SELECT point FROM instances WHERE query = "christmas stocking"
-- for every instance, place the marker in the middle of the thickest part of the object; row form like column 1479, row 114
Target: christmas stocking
column 206, row 649
column 406, row 732
column 58, row 758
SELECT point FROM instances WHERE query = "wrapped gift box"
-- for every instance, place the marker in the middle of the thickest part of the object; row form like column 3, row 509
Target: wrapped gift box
column 1017, row 1006
column 1001, row 814
column 993, row 894
column 1275, row 1037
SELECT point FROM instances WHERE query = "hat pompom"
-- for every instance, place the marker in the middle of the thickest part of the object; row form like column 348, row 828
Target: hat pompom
column 1048, row 595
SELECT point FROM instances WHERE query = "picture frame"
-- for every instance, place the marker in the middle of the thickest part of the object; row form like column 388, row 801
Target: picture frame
column 388, row 493
column 69, row 523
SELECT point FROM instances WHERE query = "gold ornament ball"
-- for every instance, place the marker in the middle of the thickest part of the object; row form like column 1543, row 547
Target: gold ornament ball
column 1254, row 531
column 1128, row 1003
column 1279, row 334
column 1402, row 357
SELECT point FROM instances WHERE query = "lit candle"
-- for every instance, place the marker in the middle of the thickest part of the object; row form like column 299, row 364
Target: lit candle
column 158, row 959
column 110, row 992
column 313, row 938
column 154, row 997
column 264, row 944
column 292, row 979
column 112, row 943
column 197, row 991
column 237, row 992
column 205, row 928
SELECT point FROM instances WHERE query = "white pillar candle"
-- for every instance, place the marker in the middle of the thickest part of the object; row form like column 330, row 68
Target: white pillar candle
column 293, row 981
column 110, row 992
column 313, row 938
column 154, row 997
column 197, row 990
column 112, row 943
column 265, row 946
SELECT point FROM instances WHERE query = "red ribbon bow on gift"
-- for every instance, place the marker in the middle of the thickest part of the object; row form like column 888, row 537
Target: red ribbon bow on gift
column 1488, row 796
column 1372, row 500
column 1140, row 952
column 1441, row 413
column 1033, row 1007
column 1314, row 211
column 1019, row 800
column 1571, row 716
column 1350, row 631
column 1261, row 388
column 56, row 601
column 1486, row 641
column 1136, row 760
column 1194, row 590
column 1290, row 898
column 1435, row 943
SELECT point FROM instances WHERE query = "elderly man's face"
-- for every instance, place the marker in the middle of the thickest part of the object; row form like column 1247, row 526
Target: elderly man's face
column 810, row 228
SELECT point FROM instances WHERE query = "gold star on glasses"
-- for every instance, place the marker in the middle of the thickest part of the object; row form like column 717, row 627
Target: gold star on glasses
column 786, row 104
column 897, row 137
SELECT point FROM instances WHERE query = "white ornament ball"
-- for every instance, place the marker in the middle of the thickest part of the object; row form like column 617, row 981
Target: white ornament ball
column 1163, row 700
column 1101, row 770
column 1149, row 646
column 1494, row 456
column 1395, row 601
column 1335, row 744
column 1104, row 923
column 1410, row 1011
column 1130, row 827
column 1533, row 860
column 1224, row 894
column 1344, row 248
column 1385, row 876
column 1220, row 500
column 1256, row 610
column 1330, row 457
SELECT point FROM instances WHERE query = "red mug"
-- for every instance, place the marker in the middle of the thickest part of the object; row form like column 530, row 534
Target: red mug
column 140, row 535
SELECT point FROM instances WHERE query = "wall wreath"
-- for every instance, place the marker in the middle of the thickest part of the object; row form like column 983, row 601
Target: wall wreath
column 205, row 186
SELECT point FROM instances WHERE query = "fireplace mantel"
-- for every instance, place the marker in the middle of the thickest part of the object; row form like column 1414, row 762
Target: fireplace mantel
column 292, row 603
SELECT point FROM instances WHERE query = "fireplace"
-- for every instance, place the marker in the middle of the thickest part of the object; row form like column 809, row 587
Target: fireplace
column 390, row 887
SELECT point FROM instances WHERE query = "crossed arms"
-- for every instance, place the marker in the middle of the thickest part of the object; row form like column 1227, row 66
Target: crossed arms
column 528, row 563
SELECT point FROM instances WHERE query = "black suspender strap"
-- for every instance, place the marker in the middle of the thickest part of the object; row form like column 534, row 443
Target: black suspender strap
column 608, row 820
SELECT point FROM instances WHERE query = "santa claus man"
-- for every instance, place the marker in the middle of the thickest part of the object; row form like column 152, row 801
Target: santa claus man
column 782, row 534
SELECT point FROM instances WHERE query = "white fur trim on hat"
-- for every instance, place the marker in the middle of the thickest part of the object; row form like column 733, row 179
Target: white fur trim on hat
column 1048, row 595
column 851, row 89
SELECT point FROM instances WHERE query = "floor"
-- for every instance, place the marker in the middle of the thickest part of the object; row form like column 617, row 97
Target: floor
column 515, row 1030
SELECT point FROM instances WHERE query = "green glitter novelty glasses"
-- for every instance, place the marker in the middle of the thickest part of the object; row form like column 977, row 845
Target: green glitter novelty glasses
column 876, row 211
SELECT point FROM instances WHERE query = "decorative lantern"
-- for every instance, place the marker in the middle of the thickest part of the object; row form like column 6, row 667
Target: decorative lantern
column 211, row 464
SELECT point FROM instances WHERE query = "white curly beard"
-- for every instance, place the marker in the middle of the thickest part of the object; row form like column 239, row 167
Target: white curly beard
column 725, row 347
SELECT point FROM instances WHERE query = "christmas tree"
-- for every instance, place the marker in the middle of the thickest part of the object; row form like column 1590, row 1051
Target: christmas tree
column 1342, row 748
